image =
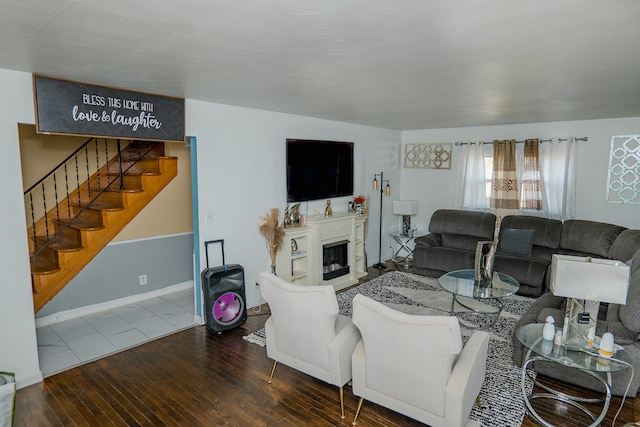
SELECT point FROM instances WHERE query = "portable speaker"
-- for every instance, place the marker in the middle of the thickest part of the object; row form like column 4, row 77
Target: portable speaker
column 224, row 294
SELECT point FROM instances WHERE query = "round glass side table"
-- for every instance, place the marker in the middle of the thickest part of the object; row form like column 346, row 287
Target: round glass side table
column 478, row 298
column 588, row 362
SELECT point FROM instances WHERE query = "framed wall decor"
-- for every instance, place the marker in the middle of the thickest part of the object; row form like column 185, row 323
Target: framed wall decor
column 428, row 156
column 623, row 182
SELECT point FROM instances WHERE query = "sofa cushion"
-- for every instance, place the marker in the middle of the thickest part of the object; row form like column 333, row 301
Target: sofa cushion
column 590, row 237
column 625, row 245
column 465, row 223
column 516, row 241
column 526, row 270
column 442, row 258
column 548, row 230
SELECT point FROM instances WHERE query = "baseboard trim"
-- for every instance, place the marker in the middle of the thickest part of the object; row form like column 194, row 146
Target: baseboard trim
column 26, row 382
column 108, row 305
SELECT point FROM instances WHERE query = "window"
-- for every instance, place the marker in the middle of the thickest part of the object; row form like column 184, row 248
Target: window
column 474, row 168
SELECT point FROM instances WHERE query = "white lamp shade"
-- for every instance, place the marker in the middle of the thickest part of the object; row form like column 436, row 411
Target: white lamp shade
column 405, row 207
column 592, row 279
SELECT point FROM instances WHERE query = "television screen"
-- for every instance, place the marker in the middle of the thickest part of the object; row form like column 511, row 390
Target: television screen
column 318, row 169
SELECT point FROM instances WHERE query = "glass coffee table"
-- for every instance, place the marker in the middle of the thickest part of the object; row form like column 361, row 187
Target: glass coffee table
column 478, row 299
column 587, row 361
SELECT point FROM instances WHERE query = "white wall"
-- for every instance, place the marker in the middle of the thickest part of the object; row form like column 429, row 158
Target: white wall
column 434, row 188
column 241, row 175
column 18, row 348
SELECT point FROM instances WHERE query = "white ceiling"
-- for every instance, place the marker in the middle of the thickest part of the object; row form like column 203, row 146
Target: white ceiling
column 398, row 64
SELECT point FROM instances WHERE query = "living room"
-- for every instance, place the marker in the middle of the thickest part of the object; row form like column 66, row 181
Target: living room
column 240, row 175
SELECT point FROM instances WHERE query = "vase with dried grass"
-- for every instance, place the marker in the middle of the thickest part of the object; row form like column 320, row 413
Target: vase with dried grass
column 273, row 234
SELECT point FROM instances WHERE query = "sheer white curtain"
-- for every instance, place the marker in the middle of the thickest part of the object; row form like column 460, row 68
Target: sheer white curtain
column 470, row 190
column 558, row 178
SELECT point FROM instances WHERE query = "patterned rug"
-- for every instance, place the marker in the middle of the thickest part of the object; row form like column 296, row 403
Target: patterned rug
column 501, row 395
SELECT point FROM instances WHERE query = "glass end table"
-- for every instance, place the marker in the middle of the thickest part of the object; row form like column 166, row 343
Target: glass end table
column 489, row 294
column 406, row 259
column 587, row 361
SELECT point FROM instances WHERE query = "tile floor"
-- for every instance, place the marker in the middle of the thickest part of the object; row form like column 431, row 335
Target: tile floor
column 74, row 342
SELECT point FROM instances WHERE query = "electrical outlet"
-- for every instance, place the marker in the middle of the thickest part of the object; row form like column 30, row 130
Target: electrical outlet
column 143, row 279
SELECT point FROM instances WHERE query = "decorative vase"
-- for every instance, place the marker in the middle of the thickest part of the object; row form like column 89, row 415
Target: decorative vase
column 359, row 209
column 328, row 211
column 549, row 329
column 483, row 264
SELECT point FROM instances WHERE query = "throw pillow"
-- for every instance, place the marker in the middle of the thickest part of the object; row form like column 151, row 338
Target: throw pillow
column 516, row 241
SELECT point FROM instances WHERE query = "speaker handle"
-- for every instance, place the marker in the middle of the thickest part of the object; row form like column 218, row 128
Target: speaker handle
column 206, row 249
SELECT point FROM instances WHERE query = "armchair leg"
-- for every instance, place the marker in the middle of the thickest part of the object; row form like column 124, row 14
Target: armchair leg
column 341, row 403
column 357, row 412
column 275, row 362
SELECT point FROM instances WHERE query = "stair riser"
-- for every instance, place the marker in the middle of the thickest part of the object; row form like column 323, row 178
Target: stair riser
column 129, row 181
column 108, row 198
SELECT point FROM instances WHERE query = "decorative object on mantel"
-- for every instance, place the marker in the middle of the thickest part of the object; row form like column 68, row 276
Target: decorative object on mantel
column 357, row 206
column 623, row 182
column 273, row 234
column 328, row 211
column 292, row 216
column 428, row 156
column 386, row 190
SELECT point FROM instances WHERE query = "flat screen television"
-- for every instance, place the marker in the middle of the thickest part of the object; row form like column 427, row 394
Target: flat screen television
column 318, row 169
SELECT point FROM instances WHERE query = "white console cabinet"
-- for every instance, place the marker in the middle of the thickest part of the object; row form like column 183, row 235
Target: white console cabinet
column 300, row 260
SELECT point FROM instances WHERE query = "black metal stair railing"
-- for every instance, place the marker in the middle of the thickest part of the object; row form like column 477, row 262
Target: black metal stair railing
column 77, row 182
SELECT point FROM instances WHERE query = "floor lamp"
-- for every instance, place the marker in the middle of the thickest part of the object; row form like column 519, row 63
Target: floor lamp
column 384, row 190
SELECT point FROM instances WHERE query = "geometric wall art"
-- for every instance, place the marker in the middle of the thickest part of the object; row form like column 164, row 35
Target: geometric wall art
column 623, row 182
column 428, row 156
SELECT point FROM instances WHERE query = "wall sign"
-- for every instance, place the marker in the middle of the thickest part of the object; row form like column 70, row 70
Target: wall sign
column 65, row 107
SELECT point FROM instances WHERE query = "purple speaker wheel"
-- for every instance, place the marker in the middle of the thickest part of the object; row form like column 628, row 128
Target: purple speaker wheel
column 227, row 308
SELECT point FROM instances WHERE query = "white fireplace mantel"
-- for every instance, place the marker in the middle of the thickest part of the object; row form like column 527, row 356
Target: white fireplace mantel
column 300, row 259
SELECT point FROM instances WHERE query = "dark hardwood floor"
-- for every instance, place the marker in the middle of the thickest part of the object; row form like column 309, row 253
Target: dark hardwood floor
column 196, row 378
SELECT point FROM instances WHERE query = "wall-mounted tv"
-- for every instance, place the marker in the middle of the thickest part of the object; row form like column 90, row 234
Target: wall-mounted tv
column 318, row 169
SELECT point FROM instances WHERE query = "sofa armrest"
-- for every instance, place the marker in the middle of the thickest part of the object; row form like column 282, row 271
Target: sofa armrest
column 466, row 378
column 429, row 240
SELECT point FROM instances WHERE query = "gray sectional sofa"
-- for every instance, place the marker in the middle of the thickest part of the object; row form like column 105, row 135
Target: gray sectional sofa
column 453, row 235
column 526, row 255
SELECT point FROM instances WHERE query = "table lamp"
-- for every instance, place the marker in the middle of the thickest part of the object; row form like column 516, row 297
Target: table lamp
column 586, row 282
column 406, row 208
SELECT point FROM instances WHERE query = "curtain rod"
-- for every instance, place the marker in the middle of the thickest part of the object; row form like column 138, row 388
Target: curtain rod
column 583, row 138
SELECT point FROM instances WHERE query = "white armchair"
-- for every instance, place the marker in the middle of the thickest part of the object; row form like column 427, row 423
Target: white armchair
column 416, row 365
column 306, row 333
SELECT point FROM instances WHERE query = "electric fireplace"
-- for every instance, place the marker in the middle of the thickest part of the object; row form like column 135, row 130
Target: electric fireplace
column 335, row 260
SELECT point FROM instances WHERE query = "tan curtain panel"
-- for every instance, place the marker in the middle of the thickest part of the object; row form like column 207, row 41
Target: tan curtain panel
column 504, row 182
column 531, row 197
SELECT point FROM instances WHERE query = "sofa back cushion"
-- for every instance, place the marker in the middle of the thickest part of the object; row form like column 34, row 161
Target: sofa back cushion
column 589, row 237
column 462, row 229
column 625, row 245
column 547, row 231
column 630, row 312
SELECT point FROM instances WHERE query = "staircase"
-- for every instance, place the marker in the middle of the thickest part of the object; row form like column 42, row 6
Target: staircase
column 87, row 215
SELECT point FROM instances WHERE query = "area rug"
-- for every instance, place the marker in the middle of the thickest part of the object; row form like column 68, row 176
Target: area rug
column 501, row 394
